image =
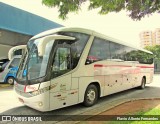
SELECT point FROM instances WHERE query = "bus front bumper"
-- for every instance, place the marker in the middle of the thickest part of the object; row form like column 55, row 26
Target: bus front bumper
column 39, row 102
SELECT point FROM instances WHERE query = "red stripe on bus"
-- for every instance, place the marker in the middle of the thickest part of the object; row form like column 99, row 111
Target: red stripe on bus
column 145, row 66
column 98, row 65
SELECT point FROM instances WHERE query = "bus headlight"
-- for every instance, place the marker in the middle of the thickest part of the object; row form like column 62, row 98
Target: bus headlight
column 40, row 91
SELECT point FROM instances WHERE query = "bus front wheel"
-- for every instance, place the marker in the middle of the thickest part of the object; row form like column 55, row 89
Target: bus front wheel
column 91, row 95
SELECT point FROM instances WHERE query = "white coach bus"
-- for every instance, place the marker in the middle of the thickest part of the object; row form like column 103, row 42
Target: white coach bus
column 67, row 66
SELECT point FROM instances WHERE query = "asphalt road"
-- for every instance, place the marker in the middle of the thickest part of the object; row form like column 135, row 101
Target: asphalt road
column 9, row 105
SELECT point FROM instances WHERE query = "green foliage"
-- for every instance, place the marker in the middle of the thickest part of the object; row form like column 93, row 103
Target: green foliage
column 136, row 8
column 155, row 50
column 65, row 6
column 140, row 56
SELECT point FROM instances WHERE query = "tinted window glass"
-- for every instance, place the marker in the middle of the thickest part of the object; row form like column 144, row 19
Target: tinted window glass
column 129, row 54
column 132, row 54
column 77, row 46
column 144, row 58
column 18, row 52
column 99, row 51
column 117, row 51
column 15, row 62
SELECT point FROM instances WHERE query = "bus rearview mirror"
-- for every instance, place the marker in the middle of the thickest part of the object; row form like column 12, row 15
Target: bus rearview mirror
column 45, row 40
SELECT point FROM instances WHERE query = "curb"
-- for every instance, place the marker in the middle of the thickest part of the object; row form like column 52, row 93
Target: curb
column 103, row 109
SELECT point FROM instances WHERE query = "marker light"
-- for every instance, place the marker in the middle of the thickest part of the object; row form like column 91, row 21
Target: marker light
column 40, row 103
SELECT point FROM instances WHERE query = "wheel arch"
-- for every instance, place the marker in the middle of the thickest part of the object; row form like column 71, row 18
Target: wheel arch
column 91, row 98
column 86, row 81
column 144, row 78
column 143, row 82
column 97, row 84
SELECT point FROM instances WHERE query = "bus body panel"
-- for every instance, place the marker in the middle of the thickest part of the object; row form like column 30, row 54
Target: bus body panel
column 62, row 92
column 84, row 82
column 147, row 71
column 39, row 102
column 111, row 76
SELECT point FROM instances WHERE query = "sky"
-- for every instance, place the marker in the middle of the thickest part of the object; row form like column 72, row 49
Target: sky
column 116, row 25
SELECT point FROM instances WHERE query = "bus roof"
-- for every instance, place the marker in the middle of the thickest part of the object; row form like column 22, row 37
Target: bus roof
column 87, row 31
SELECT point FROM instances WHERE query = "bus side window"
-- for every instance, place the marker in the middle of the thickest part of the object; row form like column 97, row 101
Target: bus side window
column 117, row 51
column 129, row 54
column 77, row 46
column 99, row 51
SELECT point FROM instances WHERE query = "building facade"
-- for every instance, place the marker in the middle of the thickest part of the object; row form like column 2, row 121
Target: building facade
column 146, row 38
column 157, row 36
column 150, row 38
column 18, row 26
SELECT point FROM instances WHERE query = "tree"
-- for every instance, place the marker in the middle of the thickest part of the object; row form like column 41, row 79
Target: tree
column 155, row 50
column 136, row 8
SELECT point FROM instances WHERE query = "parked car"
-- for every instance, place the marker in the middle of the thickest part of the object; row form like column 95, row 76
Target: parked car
column 3, row 66
column 3, row 60
column 10, row 70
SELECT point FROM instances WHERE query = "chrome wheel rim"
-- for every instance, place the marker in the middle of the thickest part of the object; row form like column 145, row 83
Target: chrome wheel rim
column 91, row 95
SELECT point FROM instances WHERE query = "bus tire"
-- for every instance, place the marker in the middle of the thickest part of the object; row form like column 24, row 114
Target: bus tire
column 10, row 80
column 143, row 83
column 91, row 95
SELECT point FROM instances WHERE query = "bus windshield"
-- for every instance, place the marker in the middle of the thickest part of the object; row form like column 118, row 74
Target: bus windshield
column 34, row 66
column 66, row 47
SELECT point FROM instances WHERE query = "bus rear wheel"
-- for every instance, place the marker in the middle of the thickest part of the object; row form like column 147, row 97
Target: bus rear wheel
column 143, row 83
column 10, row 80
column 91, row 95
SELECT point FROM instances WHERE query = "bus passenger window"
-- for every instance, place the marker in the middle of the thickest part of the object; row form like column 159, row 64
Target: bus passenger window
column 77, row 46
column 117, row 51
column 99, row 51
